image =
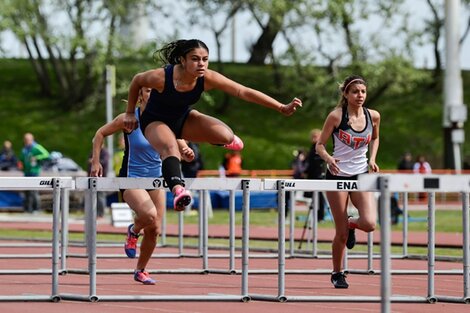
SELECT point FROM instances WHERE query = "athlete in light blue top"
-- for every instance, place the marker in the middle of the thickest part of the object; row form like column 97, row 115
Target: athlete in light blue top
column 140, row 160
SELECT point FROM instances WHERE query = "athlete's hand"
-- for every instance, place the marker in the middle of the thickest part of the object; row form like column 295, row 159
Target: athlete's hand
column 374, row 168
column 290, row 108
column 187, row 154
column 96, row 169
column 130, row 122
column 332, row 164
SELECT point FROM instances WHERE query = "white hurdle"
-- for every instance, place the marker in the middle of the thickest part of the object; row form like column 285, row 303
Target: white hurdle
column 41, row 183
column 93, row 185
column 431, row 184
column 383, row 184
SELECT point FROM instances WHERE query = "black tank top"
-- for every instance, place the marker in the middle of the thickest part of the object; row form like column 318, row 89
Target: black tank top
column 172, row 104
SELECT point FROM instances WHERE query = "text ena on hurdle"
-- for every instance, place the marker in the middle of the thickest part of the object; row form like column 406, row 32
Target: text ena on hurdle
column 346, row 185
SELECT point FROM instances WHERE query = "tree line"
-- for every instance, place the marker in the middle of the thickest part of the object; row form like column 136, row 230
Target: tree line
column 68, row 54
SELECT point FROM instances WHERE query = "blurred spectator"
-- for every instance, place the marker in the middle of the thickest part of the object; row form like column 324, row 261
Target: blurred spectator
column 406, row 162
column 32, row 156
column 405, row 165
column 101, row 195
column 422, row 166
column 315, row 169
column 298, row 164
column 233, row 164
column 8, row 160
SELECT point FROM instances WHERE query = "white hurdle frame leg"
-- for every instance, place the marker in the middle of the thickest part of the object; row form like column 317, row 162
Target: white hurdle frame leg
column 431, row 245
column 91, row 240
column 164, row 224
column 314, row 212
column 65, row 204
column 370, row 252
column 281, row 240
column 309, row 231
column 291, row 222
column 405, row 224
column 205, row 233
column 245, row 239
column 201, row 223
column 55, row 238
column 231, row 239
column 385, row 246
column 180, row 233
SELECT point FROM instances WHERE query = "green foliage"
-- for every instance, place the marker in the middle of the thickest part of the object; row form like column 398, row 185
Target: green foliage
column 411, row 113
column 68, row 57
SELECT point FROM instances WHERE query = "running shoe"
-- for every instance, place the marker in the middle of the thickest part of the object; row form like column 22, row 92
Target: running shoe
column 236, row 144
column 182, row 198
column 143, row 277
column 130, row 247
column 339, row 280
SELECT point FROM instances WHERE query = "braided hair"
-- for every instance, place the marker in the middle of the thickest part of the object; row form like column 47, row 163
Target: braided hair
column 172, row 52
column 344, row 87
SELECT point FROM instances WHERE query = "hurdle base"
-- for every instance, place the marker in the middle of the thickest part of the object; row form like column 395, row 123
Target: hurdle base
column 30, row 298
column 453, row 299
column 142, row 298
column 401, row 299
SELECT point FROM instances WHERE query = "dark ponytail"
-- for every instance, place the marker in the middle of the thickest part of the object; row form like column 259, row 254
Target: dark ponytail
column 172, row 52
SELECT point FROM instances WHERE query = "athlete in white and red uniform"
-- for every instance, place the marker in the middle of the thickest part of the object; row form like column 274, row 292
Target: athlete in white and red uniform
column 355, row 131
column 351, row 146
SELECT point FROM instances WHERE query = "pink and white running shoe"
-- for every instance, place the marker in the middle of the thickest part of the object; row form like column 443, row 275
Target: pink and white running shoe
column 182, row 198
column 236, row 144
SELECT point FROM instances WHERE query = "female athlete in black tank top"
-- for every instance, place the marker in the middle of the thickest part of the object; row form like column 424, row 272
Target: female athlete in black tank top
column 168, row 115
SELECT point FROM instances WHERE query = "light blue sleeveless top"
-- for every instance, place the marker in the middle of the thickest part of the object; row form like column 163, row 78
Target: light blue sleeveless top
column 140, row 159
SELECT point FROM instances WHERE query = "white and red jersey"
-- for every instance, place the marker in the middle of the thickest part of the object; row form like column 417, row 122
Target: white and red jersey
column 350, row 146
